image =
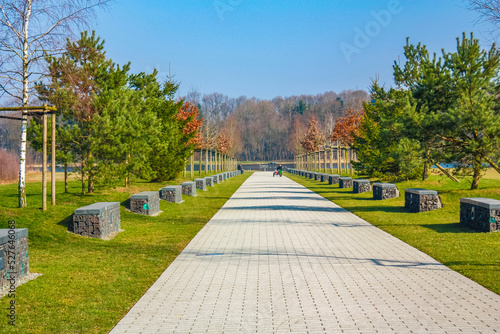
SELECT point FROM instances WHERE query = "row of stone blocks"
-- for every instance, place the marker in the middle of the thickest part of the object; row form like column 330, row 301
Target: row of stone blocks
column 481, row 214
column 102, row 220
column 14, row 258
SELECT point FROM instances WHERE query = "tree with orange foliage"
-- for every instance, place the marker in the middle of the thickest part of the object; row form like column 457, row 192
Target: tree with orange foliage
column 223, row 143
column 189, row 124
column 347, row 127
column 313, row 138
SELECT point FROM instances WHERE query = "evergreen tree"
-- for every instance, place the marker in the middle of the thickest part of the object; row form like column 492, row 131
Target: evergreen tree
column 382, row 148
column 472, row 126
column 428, row 80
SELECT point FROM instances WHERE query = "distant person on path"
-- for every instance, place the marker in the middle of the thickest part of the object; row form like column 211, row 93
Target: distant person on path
column 240, row 168
column 280, row 170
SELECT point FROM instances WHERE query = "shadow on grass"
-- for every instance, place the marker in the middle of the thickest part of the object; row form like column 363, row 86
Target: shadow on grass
column 388, row 209
column 66, row 221
column 449, row 228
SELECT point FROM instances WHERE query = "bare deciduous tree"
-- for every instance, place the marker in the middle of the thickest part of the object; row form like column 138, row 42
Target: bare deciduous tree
column 29, row 31
column 489, row 10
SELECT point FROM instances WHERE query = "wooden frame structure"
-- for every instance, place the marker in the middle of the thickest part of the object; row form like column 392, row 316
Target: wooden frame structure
column 42, row 111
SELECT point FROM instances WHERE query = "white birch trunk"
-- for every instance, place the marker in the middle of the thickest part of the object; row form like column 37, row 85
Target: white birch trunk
column 24, row 122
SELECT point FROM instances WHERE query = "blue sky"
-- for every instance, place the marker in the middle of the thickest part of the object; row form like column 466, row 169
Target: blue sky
column 269, row 48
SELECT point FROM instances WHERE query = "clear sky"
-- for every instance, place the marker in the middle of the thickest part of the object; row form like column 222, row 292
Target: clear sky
column 269, row 48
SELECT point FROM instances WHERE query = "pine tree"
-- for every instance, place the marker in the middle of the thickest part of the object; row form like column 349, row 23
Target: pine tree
column 472, row 126
column 428, row 80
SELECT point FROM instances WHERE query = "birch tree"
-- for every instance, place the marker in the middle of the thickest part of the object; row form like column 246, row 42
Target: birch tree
column 30, row 30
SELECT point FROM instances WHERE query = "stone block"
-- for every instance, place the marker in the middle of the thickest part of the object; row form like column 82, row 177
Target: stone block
column 421, row 200
column 317, row 176
column 209, row 181
column 324, row 177
column 14, row 256
column 480, row 214
column 172, row 194
column 145, row 203
column 215, row 178
column 361, row 186
column 98, row 220
column 221, row 177
column 385, row 191
column 345, row 182
column 201, row 184
column 189, row 188
column 333, row 179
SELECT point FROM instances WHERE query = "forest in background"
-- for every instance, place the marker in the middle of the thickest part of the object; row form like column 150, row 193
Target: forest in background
column 267, row 130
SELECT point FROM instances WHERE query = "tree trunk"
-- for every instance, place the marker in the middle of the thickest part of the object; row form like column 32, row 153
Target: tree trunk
column 24, row 122
column 206, row 161
column 90, row 183
column 83, row 178
column 477, row 174
column 425, row 175
column 66, row 177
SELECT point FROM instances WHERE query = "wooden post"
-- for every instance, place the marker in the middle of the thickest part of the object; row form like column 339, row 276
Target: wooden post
column 44, row 163
column 53, row 174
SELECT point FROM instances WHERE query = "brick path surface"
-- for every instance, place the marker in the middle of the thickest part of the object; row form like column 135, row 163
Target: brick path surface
column 278, row 258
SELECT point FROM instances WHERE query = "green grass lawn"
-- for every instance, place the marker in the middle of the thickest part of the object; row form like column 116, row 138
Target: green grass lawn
column 437, row 233
column 88, row 284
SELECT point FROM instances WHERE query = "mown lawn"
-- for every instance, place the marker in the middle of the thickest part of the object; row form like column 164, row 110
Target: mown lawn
column 437, row 233
column 88, row 284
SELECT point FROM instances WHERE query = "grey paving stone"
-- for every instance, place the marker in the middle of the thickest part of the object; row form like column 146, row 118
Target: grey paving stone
column 278, row 258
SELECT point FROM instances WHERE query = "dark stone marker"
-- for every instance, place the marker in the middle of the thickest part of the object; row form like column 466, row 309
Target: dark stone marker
column 171, row 194
column 361, row 186
column 209, row 181
column 216, row 179
column 324, row 177
column 481, row 214
column 145, row 203
column 421, row 200
column 345, row 182
column 98, row 220
column 201, row 184
column 385, row 191
column 333, row 179
column 189, row 188
column 13, row 245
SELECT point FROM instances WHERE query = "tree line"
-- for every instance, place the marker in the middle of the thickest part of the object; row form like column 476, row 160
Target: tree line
column 270, row 129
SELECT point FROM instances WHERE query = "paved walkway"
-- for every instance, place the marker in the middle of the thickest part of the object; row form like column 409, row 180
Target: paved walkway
column 278, row 258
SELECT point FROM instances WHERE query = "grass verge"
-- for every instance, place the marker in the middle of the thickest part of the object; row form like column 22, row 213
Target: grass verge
column 436, row 233
column 88, row 284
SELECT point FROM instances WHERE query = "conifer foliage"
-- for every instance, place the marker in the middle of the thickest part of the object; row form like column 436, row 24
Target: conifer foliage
column 444, row 110
column 118, row 126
